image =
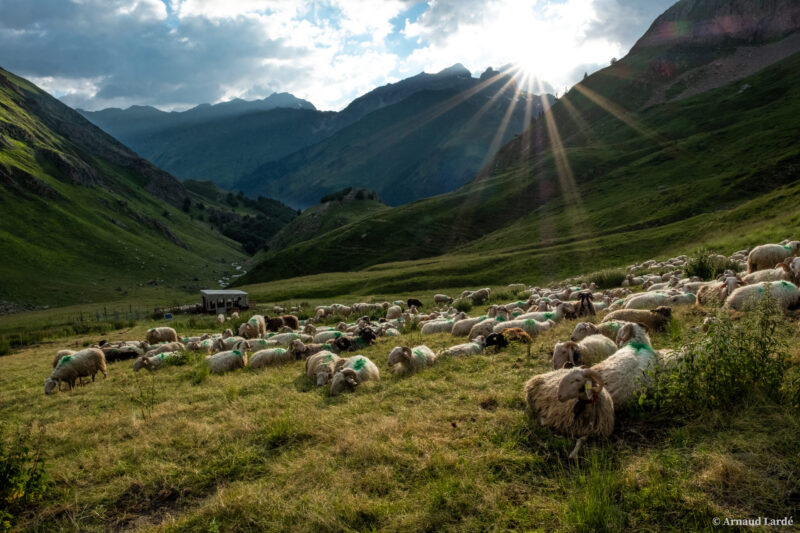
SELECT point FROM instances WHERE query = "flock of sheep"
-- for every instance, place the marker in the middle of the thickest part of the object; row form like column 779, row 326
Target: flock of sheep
column 600, row 369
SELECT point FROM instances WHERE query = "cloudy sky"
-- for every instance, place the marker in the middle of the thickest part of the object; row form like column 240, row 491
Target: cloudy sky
column 174, row 54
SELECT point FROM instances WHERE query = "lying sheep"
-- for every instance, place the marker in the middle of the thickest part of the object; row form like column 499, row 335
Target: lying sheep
column 624, row 371
column 154, row 362
column 768, row 255
column 166, row 347
column 785, row 294
column 484, row 327
column 462, row 327
column 394, row 312
column 253, row 328
column 163, row 334
column 352, row 372
column 563, row 310
column 502, row 339
column 442, row 299
column 437, row 326
column 70, row 368
column 781, row 272
column 462, row 350
column 656, row 320
column 222, row 362
column 407, row 360
column 608, row 329
column 320, row 367
column 530, row 326
column 351, row 344
column 270, row 357
column 571, row 402
column 647, row 300
column 205, row 346
column 115, row 353
column 228, row 333
column 304, row 351
column 226, row 343
column 588, row 351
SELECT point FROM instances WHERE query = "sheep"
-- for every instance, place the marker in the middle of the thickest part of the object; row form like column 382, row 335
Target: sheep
column 304, row 351
column 484, row 327
column 462, row 327
column 235, row 315
column 572, row 402
column 352, row 372
column 415, row 302
column 781, row 272
column 516, row 288
column 480, row 296
column 254, row 344
column 768, row 255
column 115, row 353
column 270, row 357
column 196, row 338
column 716, row 293
column 437, row 326
column 327, row 335
column 656, row 319
column 785, row 294
column 351, row 344
column 394, row 312
column 608, row 329
column 442, row 299
column 502, row 339
column 163, row 334
column 588, row 351
column 60, row 354
column 563, row 310
column 253, row 328
column 290, row 321
column 227, row 343
column 166, row 347
column 221, row 318
column 585, row 306
column 320, row 367
column 154, row 362
column 624, row 371
column 284, row 339
column 645, row 300
column 681, row 299
column 222, row 362
column 70, row 368
column 474, row 347
column 228, row 333
column 204, row 346
column 530, row 326
column 407, row 360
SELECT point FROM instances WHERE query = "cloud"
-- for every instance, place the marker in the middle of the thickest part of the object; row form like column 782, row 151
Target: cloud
column 625, row 20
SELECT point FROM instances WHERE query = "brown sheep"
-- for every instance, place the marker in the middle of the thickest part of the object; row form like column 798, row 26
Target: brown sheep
column 656, row 319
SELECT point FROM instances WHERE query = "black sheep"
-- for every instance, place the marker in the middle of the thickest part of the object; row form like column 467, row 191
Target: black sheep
column 416, row 303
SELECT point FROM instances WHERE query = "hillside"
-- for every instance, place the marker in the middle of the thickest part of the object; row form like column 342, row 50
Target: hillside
column 603, row 175
column 84, row 218
column 426, row 144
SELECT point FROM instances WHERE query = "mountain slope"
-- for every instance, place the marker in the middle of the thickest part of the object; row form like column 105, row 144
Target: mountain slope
column 601, row 178
column 84, row 218
column 428, row 143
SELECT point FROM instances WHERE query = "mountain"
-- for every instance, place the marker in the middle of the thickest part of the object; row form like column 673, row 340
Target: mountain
column 428, row 143
column 216, row 142
column 84, row 218
column 609, row 175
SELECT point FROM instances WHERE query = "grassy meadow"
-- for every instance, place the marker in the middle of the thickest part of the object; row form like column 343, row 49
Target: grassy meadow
column 449, row 448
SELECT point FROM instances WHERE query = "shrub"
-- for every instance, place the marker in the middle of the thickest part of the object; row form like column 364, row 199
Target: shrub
column 705, row 266
column 23, row 479
column 731, row 362
column 463, row 305
column 607, row 279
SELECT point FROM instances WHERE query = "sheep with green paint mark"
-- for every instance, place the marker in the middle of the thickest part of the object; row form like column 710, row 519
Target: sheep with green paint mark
column 154, row 362
column 530, row 326
column 226, row 343
column 166, row 347
column 255, row 344
column 563, row 310
column 73, row 367
column 226, row 361
column 474, row 347
column 205, row 346
column 407, row 360
column 270, row 357
column 352, row 372
column 624, row 372
column 588, row 351
column 768, row 255
column 484, row 328
column 461, row 328
column 321, row 365
column 607, row 329
column 301, row 350
column 784, row 293
column 162, row 334
column 327, row 335
column 60, row 354
column 255, row 327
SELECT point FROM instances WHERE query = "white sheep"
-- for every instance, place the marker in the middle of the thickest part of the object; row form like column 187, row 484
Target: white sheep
column 407, row 360
column 300, row 350
column 221, row 318
column 781, row 272
column 162, row 334
column 222, row 362
column 70, row 368
column 166, row 347
column 254, row 344
column 462, row 350
column 530, row 326
column 437, row 326
column 588, row 351
column 256, row 326
column 394, row 312
column 154, row 362
column 270, row 357
column 442, row 299
column 352, row 372
column 205, row 346
column 226, row 343
column 624, row 372
column 484, row 327
column 573, row 402
column 785, row 294
column 321, row 366
column 608, row 329
column 769, row 255
column 462, row 327
column 647, row 300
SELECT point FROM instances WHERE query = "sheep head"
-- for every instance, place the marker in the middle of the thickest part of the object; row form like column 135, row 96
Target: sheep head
column 49, row 385
column 399, row 354
column 583, row 330
column 343, row 380
column 141, row 362
column 565, row 355
column 633, row 332
column 323, row 376
column 579, row 383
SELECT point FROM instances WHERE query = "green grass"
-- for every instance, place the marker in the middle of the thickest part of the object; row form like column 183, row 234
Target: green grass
column 445, row 449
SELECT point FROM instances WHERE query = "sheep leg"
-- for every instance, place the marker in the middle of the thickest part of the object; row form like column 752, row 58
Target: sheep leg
column 578, row 445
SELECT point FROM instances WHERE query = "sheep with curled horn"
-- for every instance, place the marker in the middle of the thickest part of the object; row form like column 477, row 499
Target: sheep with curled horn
column 351, row 372
column 585, row 305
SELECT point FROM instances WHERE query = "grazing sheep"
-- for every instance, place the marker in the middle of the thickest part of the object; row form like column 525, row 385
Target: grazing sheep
column 624, row 371
column 161, row 348
column 70, row 368
column 222, row 362
column 462, row 350
column 60, row 354
column 320, row 367
column 571, row 402
column 516, row 288
column 253, row 328
column 408, row 360
column 415, row 302
column 351, row 372
column 442, row 299
column 768, row 255
column 530, row 326
column 163, row 334
column 588, row 351
column 656, row 319
column 270, row 357
column 480, row 296
column 154, row 362
column 785, row 294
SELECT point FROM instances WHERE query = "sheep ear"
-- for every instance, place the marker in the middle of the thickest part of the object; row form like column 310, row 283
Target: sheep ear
column 644, row 326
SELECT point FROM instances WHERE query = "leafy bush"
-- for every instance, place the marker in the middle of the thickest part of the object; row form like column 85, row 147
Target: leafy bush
column 463, row 305
column 607, row 279
column 23, row 479
column 732, row 361
column 706, row 266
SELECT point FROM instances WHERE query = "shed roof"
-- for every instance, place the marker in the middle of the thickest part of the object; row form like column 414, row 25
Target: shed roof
column 210, row 292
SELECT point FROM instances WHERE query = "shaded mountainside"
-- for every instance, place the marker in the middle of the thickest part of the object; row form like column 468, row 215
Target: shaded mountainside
column 84, row 218
column 601, row 178
column 429, row 143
